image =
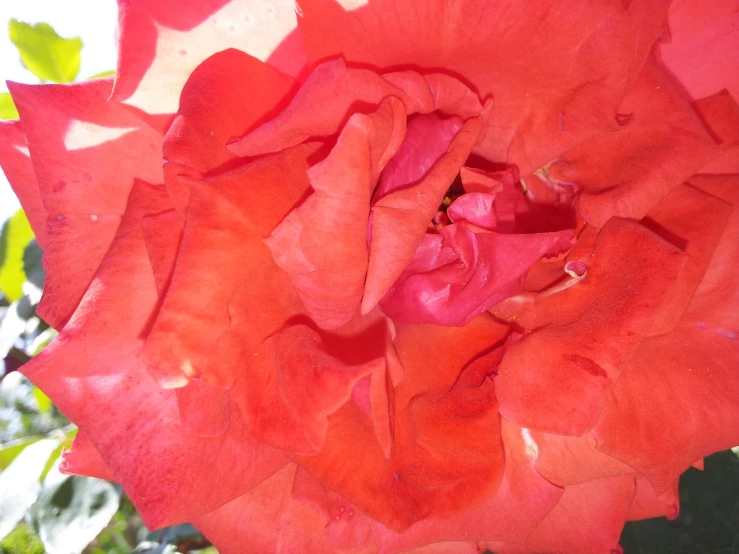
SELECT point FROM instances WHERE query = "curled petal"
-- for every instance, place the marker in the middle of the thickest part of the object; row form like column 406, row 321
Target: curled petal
column 84, row 459
column 322, row 244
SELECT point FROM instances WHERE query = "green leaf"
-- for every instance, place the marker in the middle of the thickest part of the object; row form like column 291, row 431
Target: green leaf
column 16, row 234
column 32, row 264
column 22, row 540
column 72, row 510
column 102, row 74
column 20, row 485
column 10, row 450
column 7, row 106
column 709, row 514
column 43, row 401
column 46, row 54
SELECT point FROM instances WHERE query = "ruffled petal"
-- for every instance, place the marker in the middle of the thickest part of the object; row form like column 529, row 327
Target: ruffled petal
column 227, row 93
column 647, row 503
column 15, row 159
column 556, row 378
column 86, row 152
column 470, row 273
column 132, row 422
column 536, row 82
column 161, row 43
column 322, row 244
column 625, row 173
column 701, row 52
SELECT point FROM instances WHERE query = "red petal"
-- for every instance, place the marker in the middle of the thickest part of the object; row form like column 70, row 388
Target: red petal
column 587, row 520
column 520, row 503
column 400, row 219
column 226, row 218
column 573, row 460
column 204, row 409
column 133, row 423
column 420, row 481
column 556, row 379
column 322, row 244
column 319, row 108
column 84, row 459
column 647, row 503
column 86, row 152
column 598, row 47
column 693, row 221
column 691, row 372
column 161, row 43
column 625, row 173
column 227, row 93
column 720, row 113
column 702, row 52
column 16, row 163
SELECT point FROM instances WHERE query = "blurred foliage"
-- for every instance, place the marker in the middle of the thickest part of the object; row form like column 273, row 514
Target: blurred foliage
column 46, row 54
column 15, row 235
column 7, row 106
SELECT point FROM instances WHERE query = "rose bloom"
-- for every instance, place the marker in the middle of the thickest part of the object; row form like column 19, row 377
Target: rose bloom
column 393, row 276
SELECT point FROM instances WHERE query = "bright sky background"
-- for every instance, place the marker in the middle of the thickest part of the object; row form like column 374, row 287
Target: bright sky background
column 92, row 20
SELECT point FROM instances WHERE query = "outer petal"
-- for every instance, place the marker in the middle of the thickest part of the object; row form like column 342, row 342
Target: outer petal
column 84, row 459
column 703, row 46
column 15, row 160
column 691, row 371
column 556, row 379
column 161, row 43
column 625, row 173
column 535, row 81
column 720, row 113
column 86, row 152
column 132, row 422
column 587, row 520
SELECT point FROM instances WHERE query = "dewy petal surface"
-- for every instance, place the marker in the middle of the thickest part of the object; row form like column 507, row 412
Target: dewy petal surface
column 86, row 152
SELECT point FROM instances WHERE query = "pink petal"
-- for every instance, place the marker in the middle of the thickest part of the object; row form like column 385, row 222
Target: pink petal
column 84, row 459
column 458, row 274
column 400, row 219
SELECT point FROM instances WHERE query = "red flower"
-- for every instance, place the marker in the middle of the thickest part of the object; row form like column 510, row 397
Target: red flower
column 415, row 275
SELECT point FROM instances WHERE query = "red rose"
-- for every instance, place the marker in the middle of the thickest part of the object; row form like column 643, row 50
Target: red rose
column 415, row 275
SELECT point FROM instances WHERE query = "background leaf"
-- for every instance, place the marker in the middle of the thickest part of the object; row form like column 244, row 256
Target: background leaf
column 15, row 235
column 20, row 483
column 7, row 106
column 32, row 264
column 72, row 510
column 46, row 54
column 709, row 514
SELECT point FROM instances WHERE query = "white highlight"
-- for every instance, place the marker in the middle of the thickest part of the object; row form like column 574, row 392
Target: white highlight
column 83, row 134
